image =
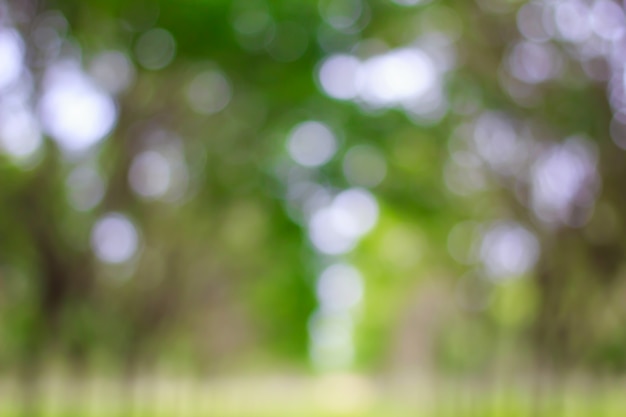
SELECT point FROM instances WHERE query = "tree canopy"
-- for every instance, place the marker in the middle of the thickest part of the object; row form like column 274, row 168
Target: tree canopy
column 231, row 185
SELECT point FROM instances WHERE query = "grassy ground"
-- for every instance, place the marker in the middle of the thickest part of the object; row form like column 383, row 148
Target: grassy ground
column 337, row 396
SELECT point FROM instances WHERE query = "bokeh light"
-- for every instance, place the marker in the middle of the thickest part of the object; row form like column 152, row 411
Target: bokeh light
column 339, row 288
column 160, row 172
column 496, row 141
column 332, row 345
column 383, row 202
column 364, row 166
column 336, row 228
column 252, row 21
column 462, row 241
column 563, row 179
column 572, row 20
column 155, row 49
column 209, row 92
column 73, row 110
column 355, row 212
column 48, row 35
column 311, row 144
column 397, row 77
column 463, row 174
column 325, row 234
column 11, row 56
column 411, row 2
column 341, row 14
column 339, row 75
column 253, row 24
column 508, row 250
column 150, row 174
column 85, row 187
column 114, row 238
column 535, row 62
column 607, row 19
column 531, row 22
column 407, row 78
column 20, row 134
column 112, row 71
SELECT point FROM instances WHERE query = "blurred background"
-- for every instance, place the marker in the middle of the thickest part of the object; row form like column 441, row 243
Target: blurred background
column 312, row 207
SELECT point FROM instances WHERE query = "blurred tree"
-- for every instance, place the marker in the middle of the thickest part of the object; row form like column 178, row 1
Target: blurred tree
column 227, row 183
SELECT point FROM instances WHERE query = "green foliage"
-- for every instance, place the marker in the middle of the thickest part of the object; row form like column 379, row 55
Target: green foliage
column 226, row 266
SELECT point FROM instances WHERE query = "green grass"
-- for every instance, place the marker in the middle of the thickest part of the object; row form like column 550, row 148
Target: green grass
column 322, row 397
